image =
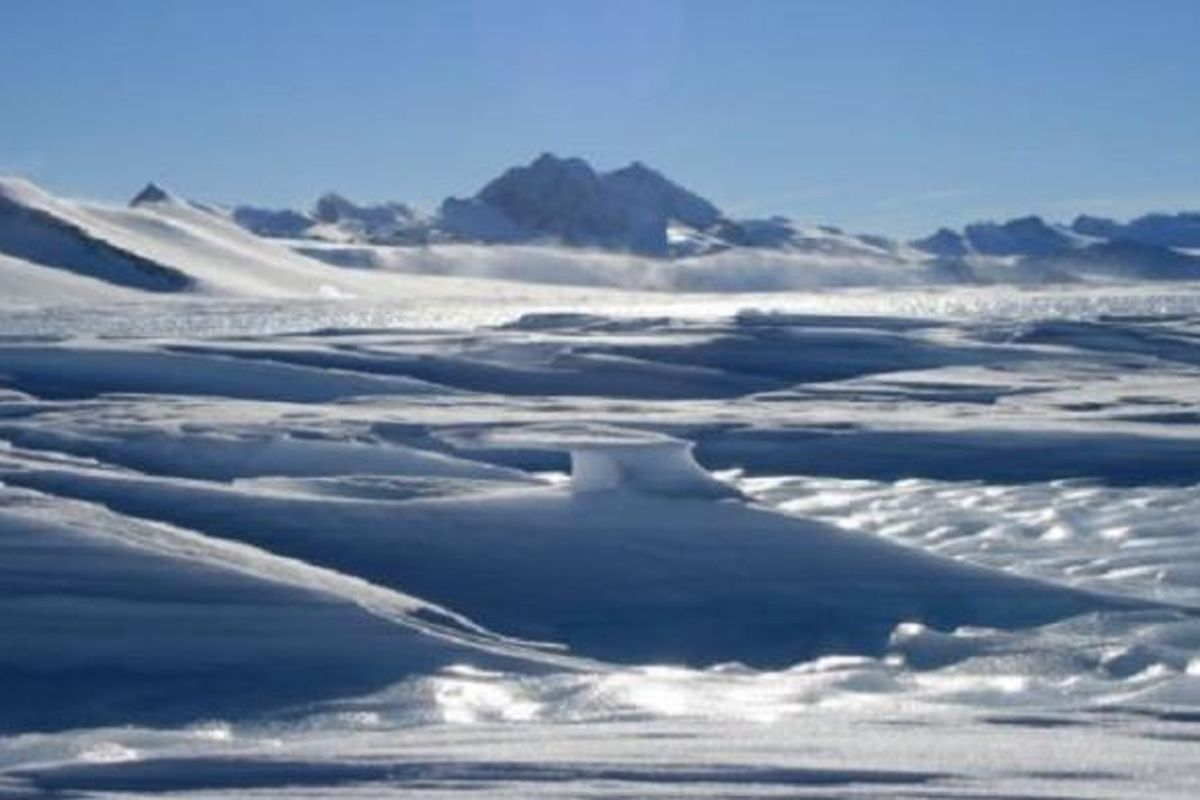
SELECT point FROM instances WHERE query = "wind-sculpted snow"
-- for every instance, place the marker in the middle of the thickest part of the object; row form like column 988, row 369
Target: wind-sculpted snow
column 605, row 459
column 109, row 620
column 852, row 546
column 63, row 372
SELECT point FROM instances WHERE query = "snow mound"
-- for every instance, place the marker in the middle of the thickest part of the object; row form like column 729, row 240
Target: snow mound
column 605, row 458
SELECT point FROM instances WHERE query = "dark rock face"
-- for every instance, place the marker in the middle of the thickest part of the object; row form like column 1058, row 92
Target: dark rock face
column 150, row 193
column 1024, row 236
column 274, row 223
column 565, row 200
column 945, row 243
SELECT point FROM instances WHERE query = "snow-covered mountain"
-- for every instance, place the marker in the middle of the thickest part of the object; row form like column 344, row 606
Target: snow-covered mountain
column 554, row 221
column 338, row 219
column 565, row 201
column 1180, row 230
column 1030, row 249
column 1023, row 236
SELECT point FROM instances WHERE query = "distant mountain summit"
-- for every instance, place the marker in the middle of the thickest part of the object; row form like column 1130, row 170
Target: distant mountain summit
column 565, row 201
column 336, row 218
column 1151, row 247
column 1023, row 236
column 386, row 221
column 1164, row 230
column 151, row 193
column 1033, row 236
column 636, row 209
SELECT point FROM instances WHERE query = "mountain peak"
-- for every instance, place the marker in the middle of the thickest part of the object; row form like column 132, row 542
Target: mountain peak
column 945, row 242
column 637, row 168
column 1181, row 229
column 1028, row 235
column 150, row 194
column 553, row 199
column 565, row 199
column 331, row 207
column 548, row 159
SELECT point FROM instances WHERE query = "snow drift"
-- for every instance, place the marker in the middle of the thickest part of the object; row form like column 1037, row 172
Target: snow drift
column 637, row 565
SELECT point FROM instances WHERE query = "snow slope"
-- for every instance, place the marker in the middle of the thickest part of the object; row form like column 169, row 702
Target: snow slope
column 164, row 245
column 28, row 283
column 110, row 622
column 38, row 227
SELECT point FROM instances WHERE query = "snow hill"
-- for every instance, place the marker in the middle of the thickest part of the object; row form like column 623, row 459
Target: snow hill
column 159, row 244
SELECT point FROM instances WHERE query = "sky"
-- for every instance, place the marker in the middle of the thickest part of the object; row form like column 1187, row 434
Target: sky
column 885, row 116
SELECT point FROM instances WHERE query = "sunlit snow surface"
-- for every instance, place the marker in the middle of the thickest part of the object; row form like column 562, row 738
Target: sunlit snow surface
column 213, row 518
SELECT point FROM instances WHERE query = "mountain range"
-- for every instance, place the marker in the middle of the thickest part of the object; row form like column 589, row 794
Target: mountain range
column 561, row 201
column 635, row 209
column 554, row 220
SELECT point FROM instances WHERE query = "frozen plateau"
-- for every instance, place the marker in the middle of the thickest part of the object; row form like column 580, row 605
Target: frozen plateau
column 580, row 488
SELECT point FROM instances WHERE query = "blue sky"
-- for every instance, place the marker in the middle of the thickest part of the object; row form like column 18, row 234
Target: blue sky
column 876, row 115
